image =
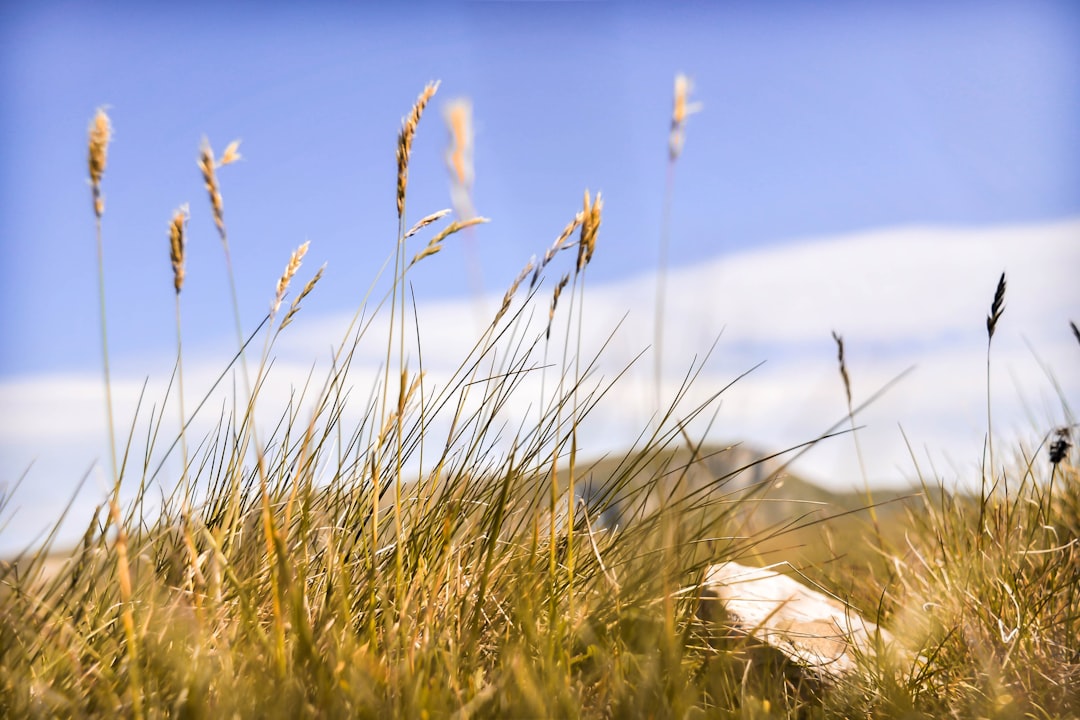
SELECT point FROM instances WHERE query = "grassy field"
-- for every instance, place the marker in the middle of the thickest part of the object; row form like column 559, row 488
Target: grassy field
column 496, row 572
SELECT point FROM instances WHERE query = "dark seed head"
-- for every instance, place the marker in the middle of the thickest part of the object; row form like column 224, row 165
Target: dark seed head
column 1060, row 447
column 996, row 308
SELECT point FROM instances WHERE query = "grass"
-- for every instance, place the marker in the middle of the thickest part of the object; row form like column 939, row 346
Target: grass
column 429, row 561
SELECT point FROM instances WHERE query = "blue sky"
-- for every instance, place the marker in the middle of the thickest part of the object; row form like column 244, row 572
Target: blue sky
column 820, row 120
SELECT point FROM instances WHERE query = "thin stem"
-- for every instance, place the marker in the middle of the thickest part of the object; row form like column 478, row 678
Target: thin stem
column 183, row 413
column 105, row 356
column 661, row 286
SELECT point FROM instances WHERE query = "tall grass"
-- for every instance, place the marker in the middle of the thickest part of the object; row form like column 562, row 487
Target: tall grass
column 428, row 560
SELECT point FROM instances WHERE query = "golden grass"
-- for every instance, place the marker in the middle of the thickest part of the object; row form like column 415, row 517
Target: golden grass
column 208, row 168
column 508, row 296
column 590, row 224
column 459, row 155
column 555, row 302
column 100, row 134
column 435, row 244
column 425, row 221
column 291, row 268
column 681, row 109
column 561, row 243
column 405, row 141
column 308, row 287
column 271, row 585
column 127, row 616
column 177, row 245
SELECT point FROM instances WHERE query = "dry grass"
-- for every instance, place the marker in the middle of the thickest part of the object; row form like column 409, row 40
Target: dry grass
column 286, row 277
column 405, row 141
column 178, row 244
column 681, row 109
column 100, row 134
column 459, row 155
column 299, row 570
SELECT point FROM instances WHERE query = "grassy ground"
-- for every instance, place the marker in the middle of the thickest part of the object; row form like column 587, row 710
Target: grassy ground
column 471, row 587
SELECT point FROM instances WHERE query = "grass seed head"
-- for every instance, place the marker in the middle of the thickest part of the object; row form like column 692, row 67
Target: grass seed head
column 590, row 224
column 207, row 165
column 100, row 134
column 557, row 246
column 843, row 365
column 1060, row 447
column 177, row 244
column 425, row 221
column 555, row 303
column 996, row 308
column 512, row 290
column 435, row 244
column 1076, row 330
column 303, row 294
column 459, row 155
column 405, row 140
column 231, row 154
column 682, row 108
column 286, row 277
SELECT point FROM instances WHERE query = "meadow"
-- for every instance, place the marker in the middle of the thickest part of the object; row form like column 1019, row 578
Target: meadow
column 430, row 561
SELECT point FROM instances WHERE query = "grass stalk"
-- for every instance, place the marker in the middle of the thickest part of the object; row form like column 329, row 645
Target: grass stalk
column 855, row 433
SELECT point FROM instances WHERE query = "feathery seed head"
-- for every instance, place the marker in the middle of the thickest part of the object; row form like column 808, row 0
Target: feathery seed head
column 177, row 243
column 555, row 303
column 508, row 297
column 299, row 298
column 682, row 89
column 99, row 135
column 459, row 155
column 435, row 244
column 231, row 154
column 590, row 223
column 681, row 110
column 557, row 246
column 207, row 165
column 286, row 277
column 425, row 221
column 405, row 140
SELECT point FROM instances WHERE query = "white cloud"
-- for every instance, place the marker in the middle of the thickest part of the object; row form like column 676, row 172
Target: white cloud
column 915, row 296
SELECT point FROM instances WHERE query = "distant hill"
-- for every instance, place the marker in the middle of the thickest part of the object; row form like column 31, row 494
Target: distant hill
column 730, row 473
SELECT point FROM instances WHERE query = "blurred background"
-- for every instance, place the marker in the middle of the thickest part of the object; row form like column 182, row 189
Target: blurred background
column 869, row 169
